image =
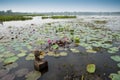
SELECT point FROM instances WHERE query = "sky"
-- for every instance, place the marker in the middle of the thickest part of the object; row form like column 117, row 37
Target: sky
column 60, row 5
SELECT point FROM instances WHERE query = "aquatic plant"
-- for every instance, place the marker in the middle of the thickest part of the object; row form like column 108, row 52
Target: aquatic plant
column 11, row 66
column 91, row 51
column 91, row 68
column 10, row 60
column 55, row 46
column 77, row 40
column 21, row 54
column 30, row 56
column 33, row 75
column 115, row 76
column 63, row 54
column 74, row 50
column 113, row 50
column 116, row 58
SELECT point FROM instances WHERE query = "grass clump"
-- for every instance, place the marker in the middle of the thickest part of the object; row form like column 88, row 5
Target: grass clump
column 58, row 17
column 13, row 17
column 100, row 22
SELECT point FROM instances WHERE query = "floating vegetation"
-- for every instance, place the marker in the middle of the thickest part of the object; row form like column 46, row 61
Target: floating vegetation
column 21, row 72
column 91, row 36
column 10, row 60
column 30, row 56
column 113, row 50
column 116, row 58
column 11, row 66
column 8, row 54
column 29, row 47
column 100, row 21
column 118, row 65
column 91, row 68
column 63, row 54
column 77, row 40
column 50, row 53
column 115, row 76
column 21, row 54
column 55, row 46
column 33, row 75
column 91, row 51
column 74, row 50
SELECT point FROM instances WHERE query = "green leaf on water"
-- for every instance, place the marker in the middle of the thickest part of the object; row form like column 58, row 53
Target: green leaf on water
column 116, row 58
column 91, row 51
column 91, row 68
column 118, row 65
column 11, row 66
column 34, row 75
column 113, row 50
column 63, row 54
column 115, row 76
column 74, row 50
column 21, row 54
column 55, row 46
column 10, row 60
column 30, row 56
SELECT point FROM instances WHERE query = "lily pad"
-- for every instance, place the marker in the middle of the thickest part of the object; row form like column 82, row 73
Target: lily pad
column 116, row 58
column 21, row 54
column 55, row 46
column 91, row 51
column 29, row 47
column 8, row 54
column 50, row 53
column 1, row 59
column 11, row 66
column 91, row 68
column 113, row 50
column 115, row 76
column 21, row 72
column 30, row 57
column 8, row 77
column 10, row 60
column 118, row 65
column 34, row 75
column 63, row 54
column 74, row 50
